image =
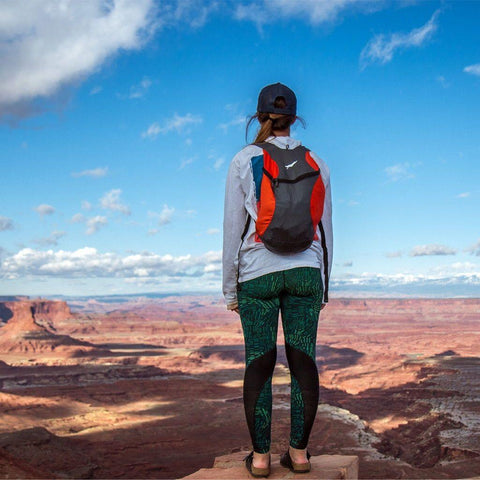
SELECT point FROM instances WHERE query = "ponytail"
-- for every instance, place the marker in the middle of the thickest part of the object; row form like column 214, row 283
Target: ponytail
column 271, row 122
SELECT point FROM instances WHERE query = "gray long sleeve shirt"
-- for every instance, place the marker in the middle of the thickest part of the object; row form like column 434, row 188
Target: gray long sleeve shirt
column 250, row 259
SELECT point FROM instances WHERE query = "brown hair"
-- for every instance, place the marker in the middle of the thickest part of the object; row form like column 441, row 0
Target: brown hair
column 271, row 122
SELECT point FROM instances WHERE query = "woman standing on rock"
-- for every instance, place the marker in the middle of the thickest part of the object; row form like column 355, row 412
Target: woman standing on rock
column 277, row 256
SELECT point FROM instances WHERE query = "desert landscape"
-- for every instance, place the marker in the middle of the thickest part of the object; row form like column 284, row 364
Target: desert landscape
column 151, row 386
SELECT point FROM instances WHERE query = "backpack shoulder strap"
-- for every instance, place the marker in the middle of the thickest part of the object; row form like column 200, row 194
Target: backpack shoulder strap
column 271, row 148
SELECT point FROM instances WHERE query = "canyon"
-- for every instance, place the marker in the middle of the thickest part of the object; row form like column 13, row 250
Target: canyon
column 151, row 387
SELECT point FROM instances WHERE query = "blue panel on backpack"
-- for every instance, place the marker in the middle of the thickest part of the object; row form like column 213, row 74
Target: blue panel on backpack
column 257, row 169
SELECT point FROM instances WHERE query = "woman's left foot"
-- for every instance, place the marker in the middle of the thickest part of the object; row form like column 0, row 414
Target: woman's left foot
column 258, row 470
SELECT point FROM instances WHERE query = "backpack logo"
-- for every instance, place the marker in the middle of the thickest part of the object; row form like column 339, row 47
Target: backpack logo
column 290, row 201
column 291, row 165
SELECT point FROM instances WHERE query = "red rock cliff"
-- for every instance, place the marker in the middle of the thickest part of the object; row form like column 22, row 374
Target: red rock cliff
column 29, row 325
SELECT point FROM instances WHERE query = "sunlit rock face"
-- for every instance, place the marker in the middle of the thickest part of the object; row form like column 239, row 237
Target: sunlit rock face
column 29, row 326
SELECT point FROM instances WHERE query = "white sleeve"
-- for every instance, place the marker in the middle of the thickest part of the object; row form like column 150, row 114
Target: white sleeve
column 235, row 217
column 328, row 230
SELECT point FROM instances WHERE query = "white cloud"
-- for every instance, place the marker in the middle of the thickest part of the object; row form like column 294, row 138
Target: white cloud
column 315, row 11
column 95, row 173
column 44, row 209
column 234, row 122
column 165, row 216
column 396, row 254
column 456, row 267
column 252, row 12
column 52, row 239
column 78, row 218
column 177, row 123
column 94, row 224
column 111, row 201
column 5, row 224
column 140, row 90
column 213, row 231
column 86, row 205
column 87, row 262
column 474, row 249
column 218, row 163
column 193, row 12
column 400, row 171
column 162, row 218
column 186, row 161
column 381, row 48
column 431, row 249
column 463, row 195
column 46, row 44
column 473, row 69
column 152, row 131
column 459, row 280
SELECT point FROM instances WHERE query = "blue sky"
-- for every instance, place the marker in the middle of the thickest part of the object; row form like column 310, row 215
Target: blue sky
column 119, row 119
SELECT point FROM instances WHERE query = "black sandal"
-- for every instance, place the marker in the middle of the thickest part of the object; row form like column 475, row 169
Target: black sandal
column 255, row 471
column 287, row 462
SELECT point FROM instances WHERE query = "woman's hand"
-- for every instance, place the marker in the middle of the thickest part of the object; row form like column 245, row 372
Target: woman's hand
column 233, row 307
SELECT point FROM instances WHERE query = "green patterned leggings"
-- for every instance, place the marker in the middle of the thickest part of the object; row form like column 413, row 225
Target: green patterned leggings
column 297, row 293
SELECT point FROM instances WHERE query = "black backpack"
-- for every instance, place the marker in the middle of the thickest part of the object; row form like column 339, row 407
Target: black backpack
column 291, row 200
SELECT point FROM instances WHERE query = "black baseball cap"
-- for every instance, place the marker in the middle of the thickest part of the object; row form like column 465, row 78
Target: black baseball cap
column 268, row 95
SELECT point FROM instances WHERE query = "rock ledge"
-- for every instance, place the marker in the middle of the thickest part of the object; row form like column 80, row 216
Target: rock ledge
column 325, row 467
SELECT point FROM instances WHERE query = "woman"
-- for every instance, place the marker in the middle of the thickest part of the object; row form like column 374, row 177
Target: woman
column 261, row 277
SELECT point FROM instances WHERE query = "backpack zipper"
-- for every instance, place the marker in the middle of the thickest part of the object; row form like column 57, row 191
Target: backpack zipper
column 276, row 181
